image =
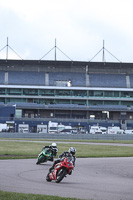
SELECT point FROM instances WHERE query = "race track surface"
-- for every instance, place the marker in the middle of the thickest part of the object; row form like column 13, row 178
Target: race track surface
column 93, row 178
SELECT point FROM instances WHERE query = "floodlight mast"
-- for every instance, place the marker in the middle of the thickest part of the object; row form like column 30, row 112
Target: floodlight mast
column 103, row 58
column 7, row 47
column 55, row 49
column 7, row 50
column 103, row 52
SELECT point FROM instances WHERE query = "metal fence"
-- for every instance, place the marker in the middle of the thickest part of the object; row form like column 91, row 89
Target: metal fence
column 67, row 136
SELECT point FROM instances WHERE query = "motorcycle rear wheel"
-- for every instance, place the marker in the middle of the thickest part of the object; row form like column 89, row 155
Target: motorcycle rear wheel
column 60, row 175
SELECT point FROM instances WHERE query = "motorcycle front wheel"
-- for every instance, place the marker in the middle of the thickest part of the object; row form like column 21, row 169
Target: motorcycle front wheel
column 47, row 178
column 60, row 175
column 40, row 160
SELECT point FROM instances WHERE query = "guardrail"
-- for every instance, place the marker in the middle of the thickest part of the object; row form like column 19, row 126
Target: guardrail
column 67, row 136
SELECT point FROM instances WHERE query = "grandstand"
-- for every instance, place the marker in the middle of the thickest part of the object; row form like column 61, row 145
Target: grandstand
column 67, row 91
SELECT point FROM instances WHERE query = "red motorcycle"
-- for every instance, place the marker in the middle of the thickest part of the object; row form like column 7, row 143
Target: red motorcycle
column 61, row 169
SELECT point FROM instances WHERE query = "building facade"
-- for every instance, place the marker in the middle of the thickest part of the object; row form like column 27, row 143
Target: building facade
column 67, row 91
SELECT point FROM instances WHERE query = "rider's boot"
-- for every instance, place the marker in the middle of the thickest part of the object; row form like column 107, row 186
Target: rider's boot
column 51, row 168
column 51, row 159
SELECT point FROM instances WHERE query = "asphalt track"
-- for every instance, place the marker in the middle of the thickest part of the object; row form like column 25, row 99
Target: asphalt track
column 92, row 178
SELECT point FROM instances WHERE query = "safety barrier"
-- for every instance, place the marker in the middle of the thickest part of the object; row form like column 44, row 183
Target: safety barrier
column 68, row 136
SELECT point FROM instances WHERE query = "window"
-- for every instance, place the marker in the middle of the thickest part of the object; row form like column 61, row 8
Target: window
column 108, row 94
column 2, row 91
column 63, row 92
column 14, row 91
column 46, row 92
column 30, row 92
column 95, row 93
column 127, row 94
column 79, row 93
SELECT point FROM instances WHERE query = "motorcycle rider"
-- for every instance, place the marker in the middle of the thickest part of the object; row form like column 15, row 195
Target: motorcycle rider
column 70, row 153
column 53, row 148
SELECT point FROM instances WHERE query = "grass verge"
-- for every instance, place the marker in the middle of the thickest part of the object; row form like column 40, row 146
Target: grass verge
column 14, row 149
column 20, row 196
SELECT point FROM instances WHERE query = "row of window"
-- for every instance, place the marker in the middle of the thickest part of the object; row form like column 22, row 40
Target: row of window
column 56, row 92
column 65, row 101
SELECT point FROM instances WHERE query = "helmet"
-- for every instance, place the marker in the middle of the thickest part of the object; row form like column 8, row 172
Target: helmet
column 72, row 150
column 53, row 145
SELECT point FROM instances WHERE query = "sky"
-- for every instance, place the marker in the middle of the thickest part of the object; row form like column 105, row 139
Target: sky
column 77, row 30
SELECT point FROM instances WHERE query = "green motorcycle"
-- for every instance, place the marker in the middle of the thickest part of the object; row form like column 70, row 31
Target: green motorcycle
column 44, row 156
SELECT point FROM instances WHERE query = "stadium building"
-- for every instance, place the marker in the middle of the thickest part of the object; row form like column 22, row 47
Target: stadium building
column 68, row 92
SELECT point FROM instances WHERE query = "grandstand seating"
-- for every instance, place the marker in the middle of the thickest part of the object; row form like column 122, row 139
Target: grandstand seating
column 77, row 79
column 107, row 80
column 26, row 78
column 131, row 80
column 38, row 78
column 2, row 77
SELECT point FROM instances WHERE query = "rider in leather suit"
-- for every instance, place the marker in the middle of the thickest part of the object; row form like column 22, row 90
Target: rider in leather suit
column 70, row 153
column 53, row 148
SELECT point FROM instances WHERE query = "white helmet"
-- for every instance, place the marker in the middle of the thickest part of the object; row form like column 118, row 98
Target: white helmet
column 53, row 145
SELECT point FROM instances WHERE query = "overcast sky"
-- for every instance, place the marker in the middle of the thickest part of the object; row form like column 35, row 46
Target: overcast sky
column 79, row 27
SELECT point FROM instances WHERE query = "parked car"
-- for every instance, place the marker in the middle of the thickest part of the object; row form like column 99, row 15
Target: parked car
column 128, row 131
column 115, row 130
column 98, row 130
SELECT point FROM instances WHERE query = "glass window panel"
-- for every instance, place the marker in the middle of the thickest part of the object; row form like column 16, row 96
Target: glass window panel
column 63, row 92
column 98, row 93
column 127, row 103
column 95, row 102
column 109, row 94
column 95, row 93
column 79, row 102
column 46, row 92
column 79, row 93
column 116, row 93
column 63, row 101
column 111, row 102
column 14, row 91
column 30, row 92
column 46, row 101
column 127, row 94
column 91, row 93
column 2, row 90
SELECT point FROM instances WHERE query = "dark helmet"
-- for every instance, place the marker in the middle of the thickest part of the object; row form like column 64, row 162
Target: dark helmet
column 72, row 150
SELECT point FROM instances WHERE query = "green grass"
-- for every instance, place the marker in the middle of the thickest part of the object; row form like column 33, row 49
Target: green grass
column 20, row 196
column 19, row 149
